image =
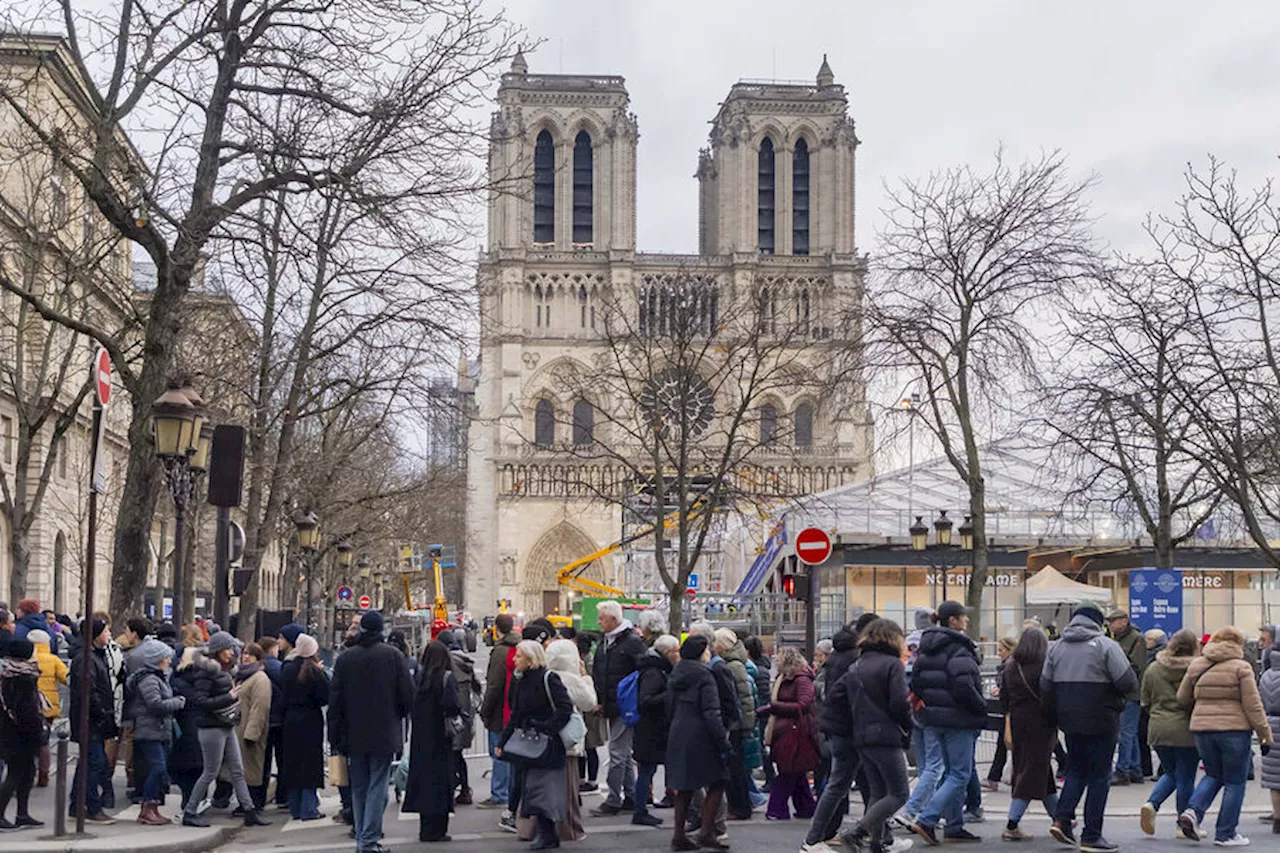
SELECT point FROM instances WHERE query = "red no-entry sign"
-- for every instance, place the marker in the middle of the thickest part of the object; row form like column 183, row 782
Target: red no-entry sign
column 365, row 602
column 102, row 376
column 813, row 546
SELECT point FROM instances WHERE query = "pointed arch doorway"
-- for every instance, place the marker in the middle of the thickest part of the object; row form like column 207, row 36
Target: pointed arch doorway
column 559, row 546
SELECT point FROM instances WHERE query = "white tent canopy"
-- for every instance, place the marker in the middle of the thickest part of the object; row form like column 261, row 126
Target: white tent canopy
column 1050, row 586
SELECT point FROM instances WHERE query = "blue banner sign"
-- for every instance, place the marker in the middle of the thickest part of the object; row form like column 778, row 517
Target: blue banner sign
column 1155, row 599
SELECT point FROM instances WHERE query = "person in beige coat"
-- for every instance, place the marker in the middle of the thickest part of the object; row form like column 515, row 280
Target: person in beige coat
column 1226, row 709
column 254, row 692
column 563, row 659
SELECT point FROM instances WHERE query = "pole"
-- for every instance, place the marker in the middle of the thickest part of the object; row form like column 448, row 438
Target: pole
column 86, row 646
column 60, row 787
column 222, row 568
column 311, row 565
column 179, row 528
column 158, row 592
column 811, row 615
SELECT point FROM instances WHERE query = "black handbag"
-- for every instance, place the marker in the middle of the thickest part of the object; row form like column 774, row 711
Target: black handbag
column 527, row 746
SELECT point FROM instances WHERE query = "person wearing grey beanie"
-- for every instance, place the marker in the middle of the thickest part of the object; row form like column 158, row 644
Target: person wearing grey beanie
column 151, row 705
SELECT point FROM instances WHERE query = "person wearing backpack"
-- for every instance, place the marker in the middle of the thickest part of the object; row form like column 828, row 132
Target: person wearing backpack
column 617, row 657
column 650, row 742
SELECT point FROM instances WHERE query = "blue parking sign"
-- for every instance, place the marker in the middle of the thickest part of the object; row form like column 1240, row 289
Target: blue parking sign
column 693, row 581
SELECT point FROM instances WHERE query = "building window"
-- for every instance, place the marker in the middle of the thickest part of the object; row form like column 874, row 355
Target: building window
column 800, row 199
column 6, row 440
column 804, row 425
column 584, row 423
column 61, row 449
column 768, row 423
column 544, row 189
column 586, row 309
column 582, row 186
column 544, row 424
column 542, row 306
column 765, row 205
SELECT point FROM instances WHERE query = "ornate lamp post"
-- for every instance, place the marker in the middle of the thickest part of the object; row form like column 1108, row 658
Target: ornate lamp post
column 182, row 446
column 308, row 525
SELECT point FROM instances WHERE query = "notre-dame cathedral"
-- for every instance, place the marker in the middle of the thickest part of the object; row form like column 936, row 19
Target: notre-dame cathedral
column 776, row 205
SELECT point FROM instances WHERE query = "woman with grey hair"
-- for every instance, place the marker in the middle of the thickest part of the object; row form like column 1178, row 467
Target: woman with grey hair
column 651, row 624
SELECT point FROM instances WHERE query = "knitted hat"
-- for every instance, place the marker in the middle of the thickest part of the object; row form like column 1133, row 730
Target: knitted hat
column 151, row 651
column 37, row 637
column 924, row 618
column 97, row 626
column 1091, row 609
column 167, row 631
column 694, row 646
column 307, row 646
column 289, row 633
column 220, row 640
column 19, row 648
column 538, row 631
column 372, row 622
column 27, row 606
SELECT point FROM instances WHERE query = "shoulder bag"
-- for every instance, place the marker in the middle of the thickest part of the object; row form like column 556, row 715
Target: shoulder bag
column 574, row 731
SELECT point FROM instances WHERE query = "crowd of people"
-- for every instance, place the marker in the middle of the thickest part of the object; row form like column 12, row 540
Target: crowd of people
column 198, row 709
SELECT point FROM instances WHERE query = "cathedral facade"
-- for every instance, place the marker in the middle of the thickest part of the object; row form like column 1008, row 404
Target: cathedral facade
column 776, row 209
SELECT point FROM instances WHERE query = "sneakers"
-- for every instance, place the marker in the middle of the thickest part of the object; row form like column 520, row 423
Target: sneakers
column 961, row 835
column 100, row 819
column 587, row 787
column 991, row 785
column 606, row 809
column 1189, row 824
column 645, row 819
column 491, row 803
column 904, row 820
column 1147, row 818
column 975, row 815
column 507, row 823
column 24, row 821
column 900, row 845
column 253, row 817
column 1062, row 834
column 1098, row 845
column 1178, row 834
column 1119, row 778
column 929, row 834
column 820, row 847
column 1136, row 777
column 194, row 820
column 1013, row 833
column 1236, row 840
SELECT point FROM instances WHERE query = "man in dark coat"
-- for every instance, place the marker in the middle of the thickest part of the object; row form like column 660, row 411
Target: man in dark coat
column 1085, row 683
column 1129, row 755
column 102, row 720
column 272, row 666
column 946, row 678
column 369, row 697
column 650, row 744
column 618, row 655
column 494, row 708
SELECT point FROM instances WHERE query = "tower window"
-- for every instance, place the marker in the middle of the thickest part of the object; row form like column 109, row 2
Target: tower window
column 765, row 202
column 800, row 199
column 544, row 189
column 582, row 186
column 584, row 418
column 804, row 425
column 544, row 424
column 768, row 423
column 586, row 308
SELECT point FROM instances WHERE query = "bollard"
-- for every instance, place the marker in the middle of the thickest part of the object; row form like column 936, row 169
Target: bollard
column 60, row 786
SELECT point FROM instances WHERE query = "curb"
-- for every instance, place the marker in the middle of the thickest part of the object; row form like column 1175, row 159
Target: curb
column 176, row 840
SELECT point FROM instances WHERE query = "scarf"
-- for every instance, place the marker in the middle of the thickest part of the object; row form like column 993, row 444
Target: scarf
column 12, row 669
column 245, row 671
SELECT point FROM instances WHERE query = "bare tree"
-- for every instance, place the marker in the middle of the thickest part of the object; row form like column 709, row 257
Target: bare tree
column 253, row 100
column 969, row 262
column 1223, row 246
column 680, row 397
column 1118, row 408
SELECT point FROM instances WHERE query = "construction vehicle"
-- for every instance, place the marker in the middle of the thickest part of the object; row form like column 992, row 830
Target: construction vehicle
column 441, row 556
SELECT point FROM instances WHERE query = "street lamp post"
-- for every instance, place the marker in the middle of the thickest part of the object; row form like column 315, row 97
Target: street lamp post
column 308, row 525
column 182, row 444
column 942, row 528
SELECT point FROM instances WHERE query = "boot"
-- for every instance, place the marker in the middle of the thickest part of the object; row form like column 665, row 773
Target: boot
column 680, row 840
column 255, row 818
column 150, row 815
column 464, row 798
column 706, row 838
column 42, row 779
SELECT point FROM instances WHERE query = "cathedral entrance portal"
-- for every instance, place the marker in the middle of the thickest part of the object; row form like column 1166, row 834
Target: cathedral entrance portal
column 559, row 546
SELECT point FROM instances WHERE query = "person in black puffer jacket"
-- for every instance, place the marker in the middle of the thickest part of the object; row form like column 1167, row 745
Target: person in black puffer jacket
column 764, row 689
column 878, row 700
column 650, row 743
column 946, row 679
column 214, row 697
column 21, row 727
column 185, row 759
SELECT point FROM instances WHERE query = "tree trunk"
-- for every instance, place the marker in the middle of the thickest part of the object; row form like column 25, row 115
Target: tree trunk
column 20, row 552
column 978, row 573
column 675, row 615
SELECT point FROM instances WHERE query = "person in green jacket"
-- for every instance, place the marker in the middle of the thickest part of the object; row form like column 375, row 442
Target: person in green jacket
column 1169, row 732
column 1128, row 753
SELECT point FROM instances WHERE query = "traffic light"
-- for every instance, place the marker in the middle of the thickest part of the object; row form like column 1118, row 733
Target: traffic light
column 796, row 586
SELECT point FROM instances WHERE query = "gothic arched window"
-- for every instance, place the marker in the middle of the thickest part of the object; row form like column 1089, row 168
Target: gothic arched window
column 804, row 425
column 544, row 424
column 582, row 187
column 768, row 423
column 544, row 189
column 584, row 423
column 800, row 199
column 765, row 197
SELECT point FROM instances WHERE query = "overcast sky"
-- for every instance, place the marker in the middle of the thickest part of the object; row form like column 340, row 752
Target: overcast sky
column 1131, row 91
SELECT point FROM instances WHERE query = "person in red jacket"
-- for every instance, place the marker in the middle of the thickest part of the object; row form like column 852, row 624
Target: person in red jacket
column 792, row 736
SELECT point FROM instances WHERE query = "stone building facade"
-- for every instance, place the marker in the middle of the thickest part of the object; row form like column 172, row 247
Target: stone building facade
column 776, row 214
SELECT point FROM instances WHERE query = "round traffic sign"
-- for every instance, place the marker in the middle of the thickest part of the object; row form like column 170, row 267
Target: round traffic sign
column 345, row 593
column 365, row 602
column 813, row 546
column 102, row 376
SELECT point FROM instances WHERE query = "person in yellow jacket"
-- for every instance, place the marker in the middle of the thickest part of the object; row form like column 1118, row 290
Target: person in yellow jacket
column 52, row 673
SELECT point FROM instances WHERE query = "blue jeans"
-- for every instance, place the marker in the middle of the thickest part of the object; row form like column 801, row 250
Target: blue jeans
column 973, row 792
column 153, row 755
column 304, row 804
column 370, row 775
column 93, row 759
column 957, row 761
column 1129, row 755
column 644, row 779
column 1226, row 765
column 500, row 776
column 1180, row 766
column 929, row 770
column 1018, row 807
column 1088, row 769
